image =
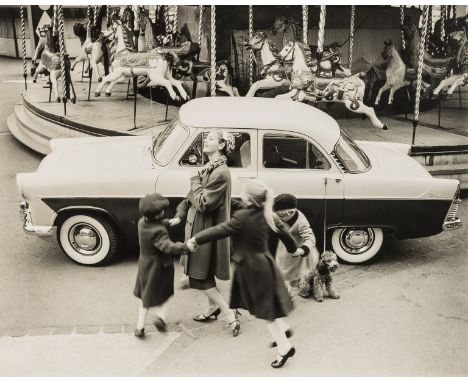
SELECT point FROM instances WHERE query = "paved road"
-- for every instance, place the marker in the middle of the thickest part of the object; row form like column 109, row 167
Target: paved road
column 404, row 314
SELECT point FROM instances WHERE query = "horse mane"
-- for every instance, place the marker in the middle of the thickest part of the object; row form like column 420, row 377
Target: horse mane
column 273, row 48
column 127, row 38
column 305, row 49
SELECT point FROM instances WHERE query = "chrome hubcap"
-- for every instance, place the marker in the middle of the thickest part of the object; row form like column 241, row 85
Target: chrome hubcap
column 85, row 239
column 356, row 240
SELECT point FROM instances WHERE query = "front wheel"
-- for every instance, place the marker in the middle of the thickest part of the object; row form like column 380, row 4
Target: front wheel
column 88, row 240
column 357, row 245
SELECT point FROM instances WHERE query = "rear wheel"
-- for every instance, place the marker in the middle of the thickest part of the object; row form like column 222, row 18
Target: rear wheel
column 357, row 245
column 88, row 239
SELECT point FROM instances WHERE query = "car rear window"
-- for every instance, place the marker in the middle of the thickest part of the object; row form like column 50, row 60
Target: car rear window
column 351, row 155
column 168, row 141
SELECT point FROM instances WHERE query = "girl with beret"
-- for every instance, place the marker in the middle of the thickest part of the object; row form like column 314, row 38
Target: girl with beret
column 208, row 203
column 257, row 284
column 295, row 265
column 155, row 278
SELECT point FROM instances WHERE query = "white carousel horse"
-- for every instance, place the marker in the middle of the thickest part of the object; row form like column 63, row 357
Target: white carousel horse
column 85, row 48
column 461, row 78
column 97, row 53
column 306, row 86
column 51, row 62
column 127, row 63
column 276, row 73
column 395, row 72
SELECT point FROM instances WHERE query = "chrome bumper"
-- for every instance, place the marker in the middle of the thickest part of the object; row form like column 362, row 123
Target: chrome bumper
column 450, row 225
column 28, row 227
column 451, row 220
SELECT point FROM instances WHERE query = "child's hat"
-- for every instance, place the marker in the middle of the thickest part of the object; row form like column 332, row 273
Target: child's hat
column 153, row 204
column 285, row 202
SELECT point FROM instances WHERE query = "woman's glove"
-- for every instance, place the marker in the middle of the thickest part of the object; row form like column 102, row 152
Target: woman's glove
column 174, row 221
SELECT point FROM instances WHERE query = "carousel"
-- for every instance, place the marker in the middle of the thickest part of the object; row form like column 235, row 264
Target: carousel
column 138, row 64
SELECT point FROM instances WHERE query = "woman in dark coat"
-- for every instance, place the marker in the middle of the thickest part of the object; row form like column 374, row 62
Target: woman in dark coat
column 257, row 284
column 208, row 203
column 155, row 279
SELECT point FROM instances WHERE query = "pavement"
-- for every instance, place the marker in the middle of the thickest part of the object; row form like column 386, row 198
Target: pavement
column 403, row 314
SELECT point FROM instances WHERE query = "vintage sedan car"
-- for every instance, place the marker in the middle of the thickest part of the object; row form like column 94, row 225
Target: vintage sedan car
column 89, row 188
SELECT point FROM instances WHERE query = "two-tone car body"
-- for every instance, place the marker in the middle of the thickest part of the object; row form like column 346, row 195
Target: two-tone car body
column 89, row 188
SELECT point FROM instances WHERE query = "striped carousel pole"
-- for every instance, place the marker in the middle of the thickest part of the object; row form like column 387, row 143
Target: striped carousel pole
column 420, row 67
column 96, row 12
column 54, row 22
column 443, row 15
column 251, row 52
column 200, row 25
column 23, row 45
column 108, row 15
column 166, row 18
column 429, row 27
column 213, row 51
column 321, row 31
column 351, row 36
column 305, row 23
column 321, row 36
column 89, row 11
column 402, row 20
column 62, row 56
column 175, row 21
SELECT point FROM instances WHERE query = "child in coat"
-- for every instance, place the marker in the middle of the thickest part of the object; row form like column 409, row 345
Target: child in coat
column 155, row 279
column 294, row 266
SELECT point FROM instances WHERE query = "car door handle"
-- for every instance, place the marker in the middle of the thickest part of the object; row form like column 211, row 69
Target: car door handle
column 247, row 177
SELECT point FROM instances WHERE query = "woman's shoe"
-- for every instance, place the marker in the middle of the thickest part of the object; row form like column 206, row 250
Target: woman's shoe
column 235, row 325
column 277, row 364
column 213, row 316
column 139, row 333
column 288, row 333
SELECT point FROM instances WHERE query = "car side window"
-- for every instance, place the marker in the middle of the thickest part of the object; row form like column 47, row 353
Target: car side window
column 288, row 151
column 240, row 157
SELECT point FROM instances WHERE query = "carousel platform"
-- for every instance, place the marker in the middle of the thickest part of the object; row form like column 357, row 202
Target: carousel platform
column 443, row 149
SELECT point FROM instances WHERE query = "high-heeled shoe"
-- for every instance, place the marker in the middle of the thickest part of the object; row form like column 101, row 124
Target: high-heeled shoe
column 160, row 324
column 288, row 333
column 211, row 317
column 235, row 325
column 277, row 364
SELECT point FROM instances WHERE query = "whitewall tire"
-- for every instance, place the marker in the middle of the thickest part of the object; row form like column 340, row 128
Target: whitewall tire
column 88, row 240
column 357, row 245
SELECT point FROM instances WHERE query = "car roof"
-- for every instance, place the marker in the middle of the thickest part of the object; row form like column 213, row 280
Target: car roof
column 261, row 113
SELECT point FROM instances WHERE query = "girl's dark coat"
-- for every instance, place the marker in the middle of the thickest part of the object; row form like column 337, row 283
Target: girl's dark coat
column 155, row 278
column 208, row 203
column 257, row 284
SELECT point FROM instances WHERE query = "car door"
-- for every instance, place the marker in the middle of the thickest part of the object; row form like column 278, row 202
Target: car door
column 294, row 163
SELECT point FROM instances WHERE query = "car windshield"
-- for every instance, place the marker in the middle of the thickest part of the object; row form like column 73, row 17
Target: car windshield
column 168, row 141
column 351, row 155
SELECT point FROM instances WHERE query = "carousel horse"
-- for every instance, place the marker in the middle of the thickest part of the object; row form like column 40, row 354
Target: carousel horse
column 460, row 76
column 50, row 61
column 127, row 63
column 277, row 73
column 102, row 47
column 88, row 34
column 434, row 68
column 292, row 30
column 395, row 72
column 306, row 86
column 222, row 78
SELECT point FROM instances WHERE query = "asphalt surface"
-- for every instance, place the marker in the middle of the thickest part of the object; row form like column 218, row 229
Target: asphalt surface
column 405, row 314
